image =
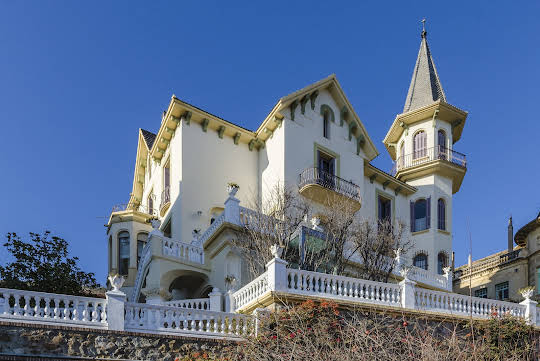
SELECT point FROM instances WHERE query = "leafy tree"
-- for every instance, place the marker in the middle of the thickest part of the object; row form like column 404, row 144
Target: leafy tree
column 42, row 264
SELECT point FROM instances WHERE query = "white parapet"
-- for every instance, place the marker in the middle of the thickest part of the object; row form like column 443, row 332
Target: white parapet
column 47, row 308
column 141, row 317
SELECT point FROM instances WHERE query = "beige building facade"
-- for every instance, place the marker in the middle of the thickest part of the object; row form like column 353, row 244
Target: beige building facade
column 501, row 275
column 312, row 140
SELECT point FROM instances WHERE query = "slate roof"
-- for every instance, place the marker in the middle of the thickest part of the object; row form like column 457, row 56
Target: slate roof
column 149, row 138
column 425, row 85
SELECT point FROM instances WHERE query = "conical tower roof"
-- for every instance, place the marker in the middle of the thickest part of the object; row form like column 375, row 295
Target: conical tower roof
column 425, row 85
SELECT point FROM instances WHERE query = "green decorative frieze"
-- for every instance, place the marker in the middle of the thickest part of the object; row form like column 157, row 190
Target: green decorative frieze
column 327, row 111
column 303, row 102
column 372, row 178
column 312, row 98
column 220, row 131
column 236, row 138
column 204, row 124
column 344, row 116
column 187, row 117
column 360, row 141
column 293, row 106
column 352, row 129
column 251, row 144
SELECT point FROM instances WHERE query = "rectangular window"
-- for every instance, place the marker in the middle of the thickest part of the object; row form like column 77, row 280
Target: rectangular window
column 384, row 209
column 166, row 176
column 326, row 128
column 501, row 291
column 482, row 293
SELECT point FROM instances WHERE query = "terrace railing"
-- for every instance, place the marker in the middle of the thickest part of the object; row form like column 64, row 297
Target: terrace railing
column 426, row 155
column 329, row 181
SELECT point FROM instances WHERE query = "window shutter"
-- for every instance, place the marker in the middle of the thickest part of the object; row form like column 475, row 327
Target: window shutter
column 428, row 213
column 412, row 216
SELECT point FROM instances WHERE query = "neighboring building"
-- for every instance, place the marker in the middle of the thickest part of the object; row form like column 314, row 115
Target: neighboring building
column 501, row 275
column 313, row 139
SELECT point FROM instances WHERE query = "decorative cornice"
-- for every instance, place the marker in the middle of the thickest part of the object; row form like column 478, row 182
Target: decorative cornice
column 312, row 98
column 293, row 106
column 204, row 124
column 236, row 138
column 303, row 102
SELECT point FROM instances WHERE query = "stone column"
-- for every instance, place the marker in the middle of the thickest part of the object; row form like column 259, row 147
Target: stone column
column 277, row 270
column 229, row 301
column 407, row 289
column 232, row 207
column 448, row 274
column 530, row 306
column 115, row 304
column 215, row 299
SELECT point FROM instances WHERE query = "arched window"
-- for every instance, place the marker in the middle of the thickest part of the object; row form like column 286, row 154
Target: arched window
column 419, row 145
column 441, row 142
column 442, row 262
column 401, row 159
column 441, row 214
column 123, row 253
column 328, row 116
column 110, row 253
column 420, row 214
column 326, row 125
column 141, row 242
column 420, row 261
column 151, row 204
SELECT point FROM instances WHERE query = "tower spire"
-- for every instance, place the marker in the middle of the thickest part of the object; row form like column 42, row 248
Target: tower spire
column 425, row 87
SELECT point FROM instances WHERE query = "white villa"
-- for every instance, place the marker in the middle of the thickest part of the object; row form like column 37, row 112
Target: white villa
column 312, row 139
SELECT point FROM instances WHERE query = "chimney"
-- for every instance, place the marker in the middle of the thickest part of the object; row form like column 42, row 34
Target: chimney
column 510, row 235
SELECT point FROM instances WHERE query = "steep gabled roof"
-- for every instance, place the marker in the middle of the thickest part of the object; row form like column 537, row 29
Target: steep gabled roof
column 425, row 87
column 332, row 85
column 149, row 138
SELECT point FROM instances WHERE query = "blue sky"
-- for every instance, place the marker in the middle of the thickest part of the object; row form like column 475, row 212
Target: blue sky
column 77, row 80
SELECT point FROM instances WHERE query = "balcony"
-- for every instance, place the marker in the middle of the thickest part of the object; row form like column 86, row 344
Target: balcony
column 165, row 201
column 326, row 188
column 426, row 161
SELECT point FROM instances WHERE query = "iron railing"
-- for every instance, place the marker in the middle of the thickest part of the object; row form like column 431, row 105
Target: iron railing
column 165, row 198
column 427, row 155
column 329, row 181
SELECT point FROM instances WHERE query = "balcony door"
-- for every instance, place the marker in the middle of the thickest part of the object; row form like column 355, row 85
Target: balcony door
column 327, row 169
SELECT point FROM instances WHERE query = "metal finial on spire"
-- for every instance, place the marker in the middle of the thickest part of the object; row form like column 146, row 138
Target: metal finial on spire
column 424, row 32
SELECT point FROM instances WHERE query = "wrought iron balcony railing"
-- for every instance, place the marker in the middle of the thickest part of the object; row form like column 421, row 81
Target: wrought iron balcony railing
column 427, row 155
column 329, row 181
column 165, row 198
column 130, row 206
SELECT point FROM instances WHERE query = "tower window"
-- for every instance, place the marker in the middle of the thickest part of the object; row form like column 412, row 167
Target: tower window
column 441, row 212
column 420, row 261
column 441, row 141
column 420, row 144
column 123, row 253
column 442, row 262
column 420, row 215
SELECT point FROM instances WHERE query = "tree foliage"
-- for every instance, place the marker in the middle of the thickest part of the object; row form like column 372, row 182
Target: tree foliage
column 42, row 264
column 337, row 239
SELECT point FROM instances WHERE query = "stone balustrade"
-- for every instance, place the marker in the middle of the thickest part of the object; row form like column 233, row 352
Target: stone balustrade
column 142, row 317
column 251, row 291
column 183, row 251
column 41, row 307
column 342, row 288
column 195, row 303
column 453, row 303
